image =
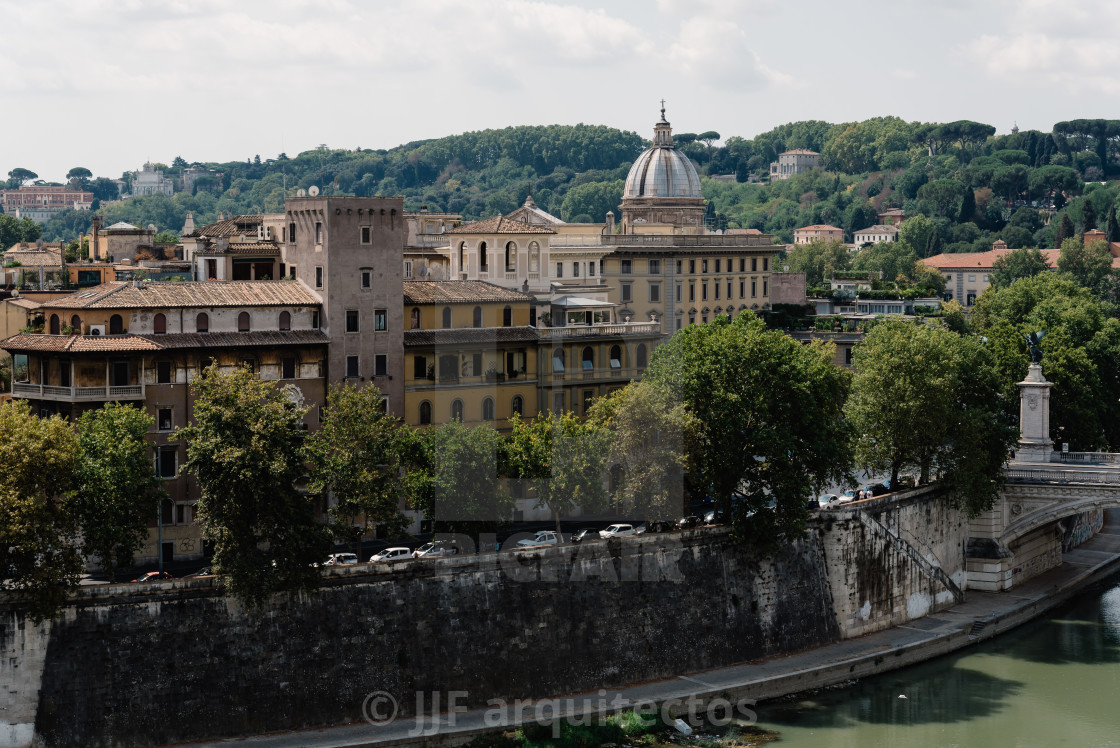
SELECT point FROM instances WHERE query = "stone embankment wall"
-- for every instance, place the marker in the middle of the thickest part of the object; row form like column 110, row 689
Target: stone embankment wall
column 162, row 663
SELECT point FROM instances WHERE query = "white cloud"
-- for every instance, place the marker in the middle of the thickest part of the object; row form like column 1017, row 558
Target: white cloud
column 717, row 52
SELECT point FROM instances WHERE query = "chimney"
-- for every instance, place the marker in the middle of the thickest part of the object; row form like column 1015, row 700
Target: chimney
column 610, row 222
column 93, row 238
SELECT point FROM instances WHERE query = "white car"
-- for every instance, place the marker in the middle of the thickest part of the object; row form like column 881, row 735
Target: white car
column 341, row 559
column 829, row 499
column 616, row 531
column 544, row 537
column 390, row 554
column 435, row 548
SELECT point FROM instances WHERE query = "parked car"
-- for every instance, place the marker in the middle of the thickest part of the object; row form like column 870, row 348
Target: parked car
column 587, row 533
column 825, row 500
column 640, row 529
column 616, row 531
column 205, row 571
column 391, row 554
column 687, row 523
column 436, row 548
column 660, row 526
column 544, row 537
column 813, row 504
column 341, row 559
column 153, row 576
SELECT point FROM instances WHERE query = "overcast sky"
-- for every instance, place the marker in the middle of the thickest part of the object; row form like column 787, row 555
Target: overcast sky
column 109, row 84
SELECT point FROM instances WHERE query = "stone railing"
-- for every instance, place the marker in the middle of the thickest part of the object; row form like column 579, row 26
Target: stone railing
column 1089, row 458
column 1056, row 474
column 609, row 330
column 53, row 392
column 688, row 240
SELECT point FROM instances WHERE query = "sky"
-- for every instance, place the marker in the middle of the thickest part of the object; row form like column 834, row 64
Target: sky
column 110, row 84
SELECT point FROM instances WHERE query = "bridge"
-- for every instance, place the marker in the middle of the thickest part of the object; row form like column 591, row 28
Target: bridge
column 1051, row 501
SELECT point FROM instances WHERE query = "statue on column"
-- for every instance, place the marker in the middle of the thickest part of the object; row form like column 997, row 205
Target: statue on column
column 1034, row 343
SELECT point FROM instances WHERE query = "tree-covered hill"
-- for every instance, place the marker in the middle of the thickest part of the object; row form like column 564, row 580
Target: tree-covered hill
column 972, row 185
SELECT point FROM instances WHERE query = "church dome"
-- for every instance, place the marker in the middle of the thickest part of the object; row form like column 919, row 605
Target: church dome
column 662, row 171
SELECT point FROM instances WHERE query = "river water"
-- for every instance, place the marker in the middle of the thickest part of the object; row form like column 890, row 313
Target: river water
column 1053, row 682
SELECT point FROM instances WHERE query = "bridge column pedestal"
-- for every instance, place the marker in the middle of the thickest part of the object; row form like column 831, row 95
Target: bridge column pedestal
column 1034, row 418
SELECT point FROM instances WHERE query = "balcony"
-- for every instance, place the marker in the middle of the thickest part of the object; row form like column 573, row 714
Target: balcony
column 77, row 394
column 603, row 330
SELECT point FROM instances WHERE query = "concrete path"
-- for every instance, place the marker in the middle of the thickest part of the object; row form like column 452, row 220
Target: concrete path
column 982, row 616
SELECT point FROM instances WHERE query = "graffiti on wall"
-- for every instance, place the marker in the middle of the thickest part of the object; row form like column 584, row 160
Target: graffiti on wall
column 1081, row 527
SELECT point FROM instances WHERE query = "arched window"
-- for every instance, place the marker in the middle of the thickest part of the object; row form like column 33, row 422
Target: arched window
column 285, row 321
column 518, row 405
column 159, row 324
column 425, row 413
column 243, row 322
column 534, row 257
column 116, row 325
column 202, row 322
column 511, row 257
column 456, row 410
column 558, row 359
column 76, row 323
column 56, row 325
column 588, row 358
column 446, row 317
column 476, row 318
column 488, row 409
column 616, row 357
column 507, row 316
column 640, row 356
column 414, row 318
column 483, row 260
column 462, row 257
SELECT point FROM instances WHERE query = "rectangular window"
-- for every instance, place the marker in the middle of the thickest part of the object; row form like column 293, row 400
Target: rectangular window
column 380, row 320
column 318, row 232
column 654, row 293
column 166, row 462
column 351, row 320
column 703, row 266
column 408, row 269
column 288, row 368
column 590, row 269
column 717, row 285
column 678, row 323
column 729, row 289
column 742, row 289
column 558, row 402
column 691, row 291
column 588, row 397
column 625, row 266
column 559, row 270
column 765, row 264
column 704, row 291
column 754, row 264
column 315, row 319
column 292, row 233
column 318, row 277
column 754, row 288
column 351, row 366
column 692, row 266
column 765, row 287
column 575, row 269
column 163, row 372
column 717, row 265
column 680, row 291
column 380, row 365
column 626, row 296
column 655, row 267
column 419, row 367
column 365, row 234
column 742, row 264
column 163, row 419
column 292, row 272
column 679, row 263
column 972, row 279
column 367, row 278
column 476, row 364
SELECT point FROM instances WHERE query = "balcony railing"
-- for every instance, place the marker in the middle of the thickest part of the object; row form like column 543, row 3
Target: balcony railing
column 77, row 394
column 607, row 330
column 601, row 373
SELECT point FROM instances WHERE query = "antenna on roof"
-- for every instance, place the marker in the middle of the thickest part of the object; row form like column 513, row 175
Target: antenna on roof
column 313, row 191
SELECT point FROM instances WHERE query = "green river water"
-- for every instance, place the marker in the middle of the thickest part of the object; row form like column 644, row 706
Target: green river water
column 1053, row 682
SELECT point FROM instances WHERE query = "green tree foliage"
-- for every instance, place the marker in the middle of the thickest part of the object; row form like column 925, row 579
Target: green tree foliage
column 894, row 260
column 356, row 462
column 944, row 195
column 915, row 232
column 651, row 433
column 1088, row 216
column 247, row 451
column 1090, row 266
column 1081, row 353
column 967, row 211
column 118, row 493
column 20, row 176
column 818, row 259
column 1065, row 231
column 39, row 558
column 768, row 415
column 563, row 459
column 1111, row 226
column 1022, row 263
column 465, row 473
column 593, row 199
column 15, row 230
column 876, row 143
column 925, row 397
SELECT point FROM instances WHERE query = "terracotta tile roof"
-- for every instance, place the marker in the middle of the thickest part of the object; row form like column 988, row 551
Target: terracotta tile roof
column 799, row 152
column 893, row 212
column 457, row 335
column 499, row 225
column 34, row 257
column 23, row 303
column 122, row 343
column 261, row 248
column 981, row 260
column 740, row 232
column 78, row 343
column 879, row 229
column 35, row 247
column 236, row 226
column 819, row 227
column 458, row 292
column 165, row 295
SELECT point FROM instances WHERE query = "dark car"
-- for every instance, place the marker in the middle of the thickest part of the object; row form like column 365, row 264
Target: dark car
column 687, row 523
column 813, row 504
column 587, row 533
column 660, row 526
column 153, row 576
